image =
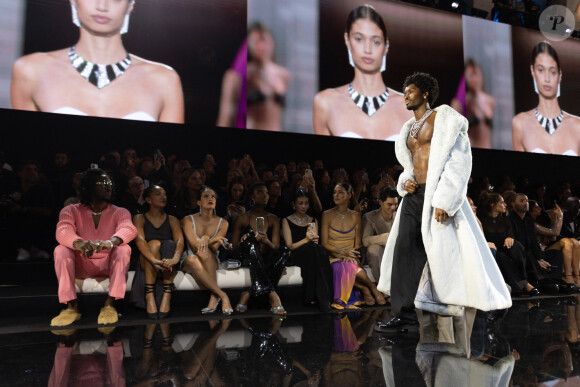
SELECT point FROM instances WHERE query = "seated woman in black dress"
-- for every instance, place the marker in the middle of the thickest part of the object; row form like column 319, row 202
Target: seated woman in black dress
column 256, row 238
column 300, row 232
column 510, row 254
column 160, row 242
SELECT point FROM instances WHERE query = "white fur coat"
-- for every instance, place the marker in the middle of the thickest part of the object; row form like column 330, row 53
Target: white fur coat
column 460, row 270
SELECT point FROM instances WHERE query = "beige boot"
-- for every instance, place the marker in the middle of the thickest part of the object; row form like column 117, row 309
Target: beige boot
column 108, row 315
column 65, row 317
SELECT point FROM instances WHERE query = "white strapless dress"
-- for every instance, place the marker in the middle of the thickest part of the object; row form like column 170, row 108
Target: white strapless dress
column 138, row 116
column 350, row 134
column 569, row 152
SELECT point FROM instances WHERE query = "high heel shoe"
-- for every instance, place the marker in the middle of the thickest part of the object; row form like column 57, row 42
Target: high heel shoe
column 227, row 312
column 207, row 310
column 167, row 288
column 150, row 288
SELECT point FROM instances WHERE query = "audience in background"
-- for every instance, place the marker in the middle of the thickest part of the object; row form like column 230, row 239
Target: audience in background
column 376, row 226
column 284, row 179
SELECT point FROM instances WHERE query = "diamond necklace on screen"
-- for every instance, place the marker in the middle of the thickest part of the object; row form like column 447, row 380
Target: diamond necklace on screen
column 99, row 75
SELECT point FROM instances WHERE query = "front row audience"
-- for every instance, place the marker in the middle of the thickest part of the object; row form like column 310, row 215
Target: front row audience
column 93, row 237
column 160, row 243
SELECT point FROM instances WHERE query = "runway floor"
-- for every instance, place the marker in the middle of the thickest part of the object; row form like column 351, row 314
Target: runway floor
column 536, row 342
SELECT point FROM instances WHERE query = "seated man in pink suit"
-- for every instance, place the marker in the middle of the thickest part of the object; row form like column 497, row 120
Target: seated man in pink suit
column 93, row 237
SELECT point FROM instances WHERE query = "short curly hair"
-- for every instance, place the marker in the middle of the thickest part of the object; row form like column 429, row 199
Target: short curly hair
column 426, row 83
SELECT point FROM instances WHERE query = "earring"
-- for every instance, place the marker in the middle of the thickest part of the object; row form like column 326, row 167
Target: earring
column 558, row 94
column 350, row 60
column 125, row 27
column 252, row 203
column 384, row 64
column 75, row 16
column 200, row 210
column 536, row 86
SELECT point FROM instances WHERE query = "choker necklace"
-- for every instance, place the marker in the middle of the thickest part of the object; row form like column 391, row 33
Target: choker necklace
column 99, row 75
column 96, row 213
column 300, row 220
column 341, row 216
column 417, row 124
column 549, row 124
column 369, row 105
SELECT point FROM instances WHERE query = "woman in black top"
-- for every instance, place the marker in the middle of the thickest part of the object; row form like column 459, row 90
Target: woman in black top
column 300, row 233
column 160, row 242
column 510, row 255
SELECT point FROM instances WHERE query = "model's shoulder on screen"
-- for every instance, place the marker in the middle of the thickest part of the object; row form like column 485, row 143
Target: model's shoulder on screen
column 394, row 93
column 326, row 96
column 40, row 60
column 520, row 119
column 574, row 120
column 162, row 71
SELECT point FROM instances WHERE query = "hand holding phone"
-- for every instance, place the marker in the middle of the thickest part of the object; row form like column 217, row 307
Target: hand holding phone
column 260, row 224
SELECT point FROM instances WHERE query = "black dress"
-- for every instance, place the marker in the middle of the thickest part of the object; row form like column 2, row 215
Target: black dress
column 265, row 268
column 511, row 262
column 314, row 268
column 164, row 235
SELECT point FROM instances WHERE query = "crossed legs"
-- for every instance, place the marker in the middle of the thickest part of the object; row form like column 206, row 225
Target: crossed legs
column 570, row 250
column 203, row 267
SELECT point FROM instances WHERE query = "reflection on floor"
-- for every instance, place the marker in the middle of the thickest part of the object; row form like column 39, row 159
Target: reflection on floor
column 536, row 342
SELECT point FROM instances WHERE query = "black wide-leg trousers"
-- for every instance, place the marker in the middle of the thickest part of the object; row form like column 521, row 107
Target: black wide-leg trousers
column 409, row 257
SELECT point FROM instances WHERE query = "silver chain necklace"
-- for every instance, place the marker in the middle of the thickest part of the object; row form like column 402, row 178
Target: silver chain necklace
column 417, row 124
column 99, row 75
column 341, row 216
column 549, row 124
column 369, row 105
column 300, row 220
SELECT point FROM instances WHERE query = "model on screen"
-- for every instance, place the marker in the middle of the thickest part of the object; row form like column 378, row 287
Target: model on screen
column 267, row 81
column 546, row 128
column 365, row 108
column 479, row 106
column 97, row 76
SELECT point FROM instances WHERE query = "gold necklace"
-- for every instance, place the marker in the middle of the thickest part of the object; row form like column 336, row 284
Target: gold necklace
column 341, row 215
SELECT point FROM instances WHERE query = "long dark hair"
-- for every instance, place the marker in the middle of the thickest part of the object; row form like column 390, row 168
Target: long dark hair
column 545, row 48
column 486, row 200
column 348, row 188
column 366, row 12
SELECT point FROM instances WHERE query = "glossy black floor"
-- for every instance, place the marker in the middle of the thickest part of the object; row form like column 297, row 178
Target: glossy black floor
column 534, row 343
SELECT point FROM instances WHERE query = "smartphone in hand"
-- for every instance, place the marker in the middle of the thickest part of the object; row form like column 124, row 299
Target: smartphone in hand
column 260, row 224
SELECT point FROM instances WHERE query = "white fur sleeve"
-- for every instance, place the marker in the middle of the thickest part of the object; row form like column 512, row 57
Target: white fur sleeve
column 403, row 177
column 452, row 186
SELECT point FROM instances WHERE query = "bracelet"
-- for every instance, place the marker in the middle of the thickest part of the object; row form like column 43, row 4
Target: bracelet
column 111, row 244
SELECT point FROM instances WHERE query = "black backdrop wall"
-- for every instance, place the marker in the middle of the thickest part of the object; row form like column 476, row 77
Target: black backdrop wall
column 28, row 135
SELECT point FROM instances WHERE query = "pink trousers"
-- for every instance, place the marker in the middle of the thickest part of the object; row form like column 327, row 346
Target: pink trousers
column 88, row 370
column 70, row 264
